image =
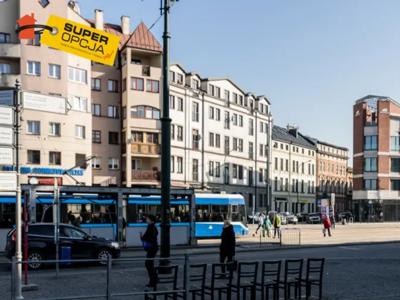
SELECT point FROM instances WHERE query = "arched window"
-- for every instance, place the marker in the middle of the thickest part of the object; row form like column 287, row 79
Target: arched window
column 146, row 112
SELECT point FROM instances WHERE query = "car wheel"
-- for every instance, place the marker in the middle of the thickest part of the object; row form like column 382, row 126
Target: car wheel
column 35, row 256
column 103, row 255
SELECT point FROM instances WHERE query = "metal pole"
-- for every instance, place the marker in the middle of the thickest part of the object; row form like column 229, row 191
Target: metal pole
column 165, row 143
column 13, row 273
column 186, row 277
column 18, row 223
column 109, row 264
column 56, row 215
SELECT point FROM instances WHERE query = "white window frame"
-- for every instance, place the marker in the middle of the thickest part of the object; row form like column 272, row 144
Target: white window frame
column 55, row 71
column 33, row 67
column 80, row 132
column 33, row 127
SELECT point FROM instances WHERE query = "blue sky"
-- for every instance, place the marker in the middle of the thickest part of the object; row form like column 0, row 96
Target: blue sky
column 312, row 58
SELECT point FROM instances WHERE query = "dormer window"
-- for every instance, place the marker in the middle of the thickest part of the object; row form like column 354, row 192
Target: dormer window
column 195, row 84
column 226, row 95
column 179, row 78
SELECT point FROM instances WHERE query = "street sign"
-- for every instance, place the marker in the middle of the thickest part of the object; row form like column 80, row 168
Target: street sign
column 8, row 181
column 6, row 115
column 6, row 156
column 6, row 136
column 7, row 97
column 36, row 101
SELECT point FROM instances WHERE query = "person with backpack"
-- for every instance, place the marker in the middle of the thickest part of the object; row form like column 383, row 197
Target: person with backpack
column 150, row 245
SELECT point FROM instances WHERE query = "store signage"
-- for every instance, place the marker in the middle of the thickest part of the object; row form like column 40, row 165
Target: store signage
column 44, row 171
column 6, row 97
column 8, row 181
column 42, row 102
column 81, row 40
column 6, row 115
column 6, row 136
column 6, row 156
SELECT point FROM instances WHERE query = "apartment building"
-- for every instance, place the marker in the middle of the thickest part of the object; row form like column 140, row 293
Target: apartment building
column 376, row 159
column 56, row 121
column 294, row 172
column 332, row 177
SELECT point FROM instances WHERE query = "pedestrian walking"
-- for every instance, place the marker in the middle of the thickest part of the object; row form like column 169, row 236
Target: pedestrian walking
column 277, row 221
column 327, row 225
column 267, row 226
column 261, row 219
column 228, row 244
column 150, row 245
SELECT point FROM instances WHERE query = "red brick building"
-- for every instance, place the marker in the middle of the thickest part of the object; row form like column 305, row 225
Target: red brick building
column 376, row 159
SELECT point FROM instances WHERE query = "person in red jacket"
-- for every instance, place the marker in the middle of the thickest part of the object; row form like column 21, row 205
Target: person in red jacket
column 327, row 225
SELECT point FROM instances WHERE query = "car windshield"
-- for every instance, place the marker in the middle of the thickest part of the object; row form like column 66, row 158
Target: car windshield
column 72, row 232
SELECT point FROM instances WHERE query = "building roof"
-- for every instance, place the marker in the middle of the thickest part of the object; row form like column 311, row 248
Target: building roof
column 140, row 38
column 282, row 134
column 317, row 141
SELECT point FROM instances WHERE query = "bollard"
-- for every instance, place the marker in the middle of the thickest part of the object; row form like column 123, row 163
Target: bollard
column 186, row 283
column 13, row 274
column 109, row 264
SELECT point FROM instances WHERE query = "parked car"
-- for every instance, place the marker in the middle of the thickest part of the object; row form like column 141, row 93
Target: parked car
column 41, row 244
column 314, row 218
column 346, row 215
column 284, row 220
column 302, row 217
column 290, row 218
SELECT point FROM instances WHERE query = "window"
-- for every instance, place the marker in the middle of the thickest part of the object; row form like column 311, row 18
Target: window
column 152, row 137
column 195, row 139
column 55, row 71
column 172, row 132
column 235, row 119
column 240, row 121
column 5, row 37
column 80, row 132
column 35, row 41
column 217, row 169
column 227, row 120
column 137, row 84
column 234, row 144
column 136, row 164
column 240, row 145
column 33, row 127
column 113, row 111
column 179, row 161
column 113, row 138
column 147, row 112
column 54, row 129
column 217, row 92
column 79, row 103
column 96, row 109
column 234, row 171
column 33, row 157
column 33, row 68
column 395, row 165
column 171, row 102
column 226, row 95
column 251, row 150
column 179, row 135
column 195, row 112
column 217, row 140
column 195, row 169
column 370, row 142
column 152, row 86
column 211, row 168
column 77, row 75
column 5, row 68
column 112, row 86
column 96, row 84
column 395, row 143
column 96, row 163
column 179, row 78
column 195, row 84
column 113, row 163
column 172, row 164
column 54, row 158
column 137, row 136
column 370, row 184
column 179, row 104
column 211, row 113
column 370, row 164
column 217, row 114
column 211, row 139
column 80, row 160
column 96, row 136
column 251, row 127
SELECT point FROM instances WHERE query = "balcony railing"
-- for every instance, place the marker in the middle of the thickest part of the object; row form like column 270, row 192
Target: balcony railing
column 145, row 175
column 145, row 149
column 10, row 50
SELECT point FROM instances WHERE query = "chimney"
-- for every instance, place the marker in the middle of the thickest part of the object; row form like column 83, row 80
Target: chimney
column 125, row 25
column 99, row 19
column 293, row 130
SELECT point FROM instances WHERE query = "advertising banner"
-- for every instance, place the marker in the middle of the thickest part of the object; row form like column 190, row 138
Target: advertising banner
column 81, row 40
column 8, row 181
column 6, row 115
column 44, row 102
column 6, row 156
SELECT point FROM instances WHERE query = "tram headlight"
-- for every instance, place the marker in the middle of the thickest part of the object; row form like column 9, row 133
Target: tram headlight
column 115, row 245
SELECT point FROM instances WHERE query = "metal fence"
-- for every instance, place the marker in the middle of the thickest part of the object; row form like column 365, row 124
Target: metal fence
column 290, row 237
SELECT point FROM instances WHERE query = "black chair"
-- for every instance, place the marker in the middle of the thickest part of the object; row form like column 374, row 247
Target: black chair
column 292, row 278
column 197, row 281
column 270, row 276
column 314, row 275
column 245, row 281
column 219, row 282
column 167, row 282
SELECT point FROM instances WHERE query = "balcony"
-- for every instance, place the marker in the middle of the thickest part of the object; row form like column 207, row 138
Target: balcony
column 8, row 80
column 10, row 50
column 152, row 150
column 146, row 176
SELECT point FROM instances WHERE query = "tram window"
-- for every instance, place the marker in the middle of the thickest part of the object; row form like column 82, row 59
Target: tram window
column 238, row 213
column 136, row 213
column 7, row 215
column 90, row 213
column 180, row 213
column 219, row 213
column 203, row 213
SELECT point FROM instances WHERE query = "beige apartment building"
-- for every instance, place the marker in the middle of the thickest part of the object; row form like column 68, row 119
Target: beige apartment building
column 76, row 110
column 56, row 120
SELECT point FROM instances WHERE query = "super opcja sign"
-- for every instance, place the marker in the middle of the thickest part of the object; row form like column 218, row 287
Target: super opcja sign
column 81, row 40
